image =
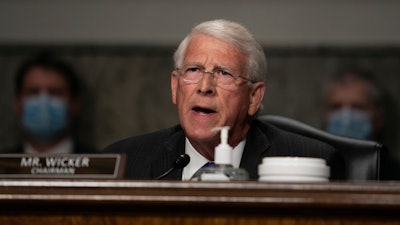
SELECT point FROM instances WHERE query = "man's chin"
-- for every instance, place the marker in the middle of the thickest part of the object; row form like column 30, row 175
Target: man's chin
column 203, row 136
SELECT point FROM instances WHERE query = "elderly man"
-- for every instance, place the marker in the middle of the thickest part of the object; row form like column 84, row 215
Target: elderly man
column 218, row 81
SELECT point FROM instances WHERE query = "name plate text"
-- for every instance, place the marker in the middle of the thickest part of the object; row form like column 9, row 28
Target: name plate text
column 61, row 166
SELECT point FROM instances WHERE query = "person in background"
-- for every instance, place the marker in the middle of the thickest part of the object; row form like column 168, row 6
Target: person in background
column 354, row 105
column 47, row 104
column 218, row 80
column 355, row 108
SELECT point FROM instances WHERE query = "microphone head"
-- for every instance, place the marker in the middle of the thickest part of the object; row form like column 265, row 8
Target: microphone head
column 181, row 161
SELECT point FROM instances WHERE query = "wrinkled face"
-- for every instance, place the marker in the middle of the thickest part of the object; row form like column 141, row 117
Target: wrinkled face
column 205, row 105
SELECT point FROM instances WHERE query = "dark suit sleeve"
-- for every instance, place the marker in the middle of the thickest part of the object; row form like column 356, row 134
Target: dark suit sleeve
column 150, row 155
column 308, row 147
column 137, row 161
column 283, row 143
column 337, row 165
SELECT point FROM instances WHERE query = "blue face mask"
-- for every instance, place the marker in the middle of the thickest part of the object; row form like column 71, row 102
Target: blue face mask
column 44, row 117
column 350, row 123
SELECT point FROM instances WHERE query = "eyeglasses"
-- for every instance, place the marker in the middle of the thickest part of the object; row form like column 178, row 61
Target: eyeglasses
column 194, row 74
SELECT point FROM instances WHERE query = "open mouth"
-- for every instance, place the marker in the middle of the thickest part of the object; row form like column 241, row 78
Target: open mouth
column 203, row 110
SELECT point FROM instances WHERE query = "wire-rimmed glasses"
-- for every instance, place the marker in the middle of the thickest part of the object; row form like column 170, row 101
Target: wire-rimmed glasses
column 194, row 74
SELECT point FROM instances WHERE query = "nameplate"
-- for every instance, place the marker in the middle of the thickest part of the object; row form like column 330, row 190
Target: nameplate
column 61, row 166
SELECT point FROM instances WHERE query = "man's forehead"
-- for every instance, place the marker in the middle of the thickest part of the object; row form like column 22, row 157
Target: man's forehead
column 221, row 54
column 39, row 75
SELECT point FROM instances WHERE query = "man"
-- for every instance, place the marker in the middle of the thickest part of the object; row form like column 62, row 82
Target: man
column 354, row 106
column 218, row 81
column 47, row 104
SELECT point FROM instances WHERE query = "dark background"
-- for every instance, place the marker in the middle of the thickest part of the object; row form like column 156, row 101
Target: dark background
column 123, row 51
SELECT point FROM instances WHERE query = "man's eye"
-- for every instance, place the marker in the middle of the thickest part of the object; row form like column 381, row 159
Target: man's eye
column 223, row 73
column 192, row 69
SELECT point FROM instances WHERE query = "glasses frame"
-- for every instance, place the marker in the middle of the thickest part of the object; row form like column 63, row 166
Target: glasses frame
column 212, row 73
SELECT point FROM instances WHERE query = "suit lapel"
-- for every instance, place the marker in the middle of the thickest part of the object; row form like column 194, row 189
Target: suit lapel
column 172, row 148
column 257, row 143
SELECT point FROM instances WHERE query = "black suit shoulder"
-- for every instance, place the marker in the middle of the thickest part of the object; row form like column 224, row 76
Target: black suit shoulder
column 148, row 140
column 288, row 143
column 284, row 143
column 150, row 155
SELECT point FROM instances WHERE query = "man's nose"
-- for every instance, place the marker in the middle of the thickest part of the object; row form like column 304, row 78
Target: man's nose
column 207, row 84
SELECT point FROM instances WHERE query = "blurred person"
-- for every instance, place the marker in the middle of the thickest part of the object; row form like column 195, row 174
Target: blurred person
column 218, row 80
column 355, row 108
column 47, row 104
column 353, row 105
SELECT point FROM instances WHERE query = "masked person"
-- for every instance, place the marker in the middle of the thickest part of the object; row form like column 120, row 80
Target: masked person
column 355, row 109
column 353, row 105
column 218, row 81
column 47, row 104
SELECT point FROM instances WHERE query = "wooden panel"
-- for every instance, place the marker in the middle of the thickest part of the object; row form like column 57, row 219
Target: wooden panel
column 149, row 202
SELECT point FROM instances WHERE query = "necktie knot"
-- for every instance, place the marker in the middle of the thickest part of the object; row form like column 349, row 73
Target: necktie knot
column 198, row 172
column 208, row 164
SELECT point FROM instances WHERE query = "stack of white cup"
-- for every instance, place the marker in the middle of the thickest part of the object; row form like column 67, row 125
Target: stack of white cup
column 293, row 169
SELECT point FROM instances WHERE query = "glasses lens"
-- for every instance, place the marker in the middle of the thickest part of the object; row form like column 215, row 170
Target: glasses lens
column 224, row 78
column 192, row 74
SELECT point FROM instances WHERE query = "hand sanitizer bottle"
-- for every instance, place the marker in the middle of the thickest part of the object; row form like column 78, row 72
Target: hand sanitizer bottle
column 223, row 169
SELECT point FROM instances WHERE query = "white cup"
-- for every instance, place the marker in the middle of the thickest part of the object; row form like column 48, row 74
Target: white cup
column 293, row 169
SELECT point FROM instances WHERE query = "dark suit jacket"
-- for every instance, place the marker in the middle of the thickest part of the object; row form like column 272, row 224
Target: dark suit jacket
column 150, row 155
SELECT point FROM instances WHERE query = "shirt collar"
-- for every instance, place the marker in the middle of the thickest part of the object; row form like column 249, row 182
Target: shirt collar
column 197, row 160
column 64, row 147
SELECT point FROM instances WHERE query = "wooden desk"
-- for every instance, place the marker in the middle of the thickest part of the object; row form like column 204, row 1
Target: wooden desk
column 149, row 202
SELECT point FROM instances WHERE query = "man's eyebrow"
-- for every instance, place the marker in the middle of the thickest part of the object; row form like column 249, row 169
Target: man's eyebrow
column 223, row 67
column 215, row 66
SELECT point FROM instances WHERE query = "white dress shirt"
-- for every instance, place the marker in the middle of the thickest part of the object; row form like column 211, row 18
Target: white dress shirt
column 64, row 147
column 197, row 160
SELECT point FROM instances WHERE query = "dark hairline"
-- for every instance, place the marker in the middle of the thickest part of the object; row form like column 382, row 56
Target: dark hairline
column 49, row 63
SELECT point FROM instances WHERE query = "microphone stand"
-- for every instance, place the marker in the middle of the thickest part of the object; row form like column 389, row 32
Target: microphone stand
column 179, row 163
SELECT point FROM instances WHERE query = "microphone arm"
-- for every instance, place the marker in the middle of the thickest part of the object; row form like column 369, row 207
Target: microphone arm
column 179, row 163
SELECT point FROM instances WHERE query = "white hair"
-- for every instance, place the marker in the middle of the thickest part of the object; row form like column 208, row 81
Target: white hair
column 235, row 34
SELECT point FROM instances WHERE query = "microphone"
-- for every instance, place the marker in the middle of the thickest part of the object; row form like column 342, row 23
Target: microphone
column 179, row 163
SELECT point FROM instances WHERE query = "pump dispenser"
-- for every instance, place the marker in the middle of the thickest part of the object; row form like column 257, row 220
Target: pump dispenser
column 223, row 152
column 223, row 169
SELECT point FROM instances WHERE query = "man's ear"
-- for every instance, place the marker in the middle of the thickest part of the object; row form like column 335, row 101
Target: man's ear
column 174, row 86
column 256, row 96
